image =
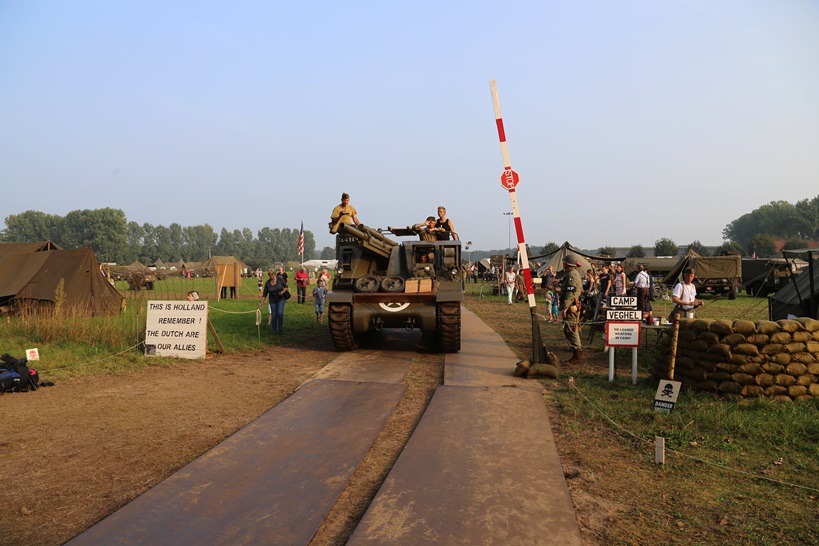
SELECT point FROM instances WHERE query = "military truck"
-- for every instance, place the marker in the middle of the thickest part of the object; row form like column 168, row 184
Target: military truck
column 381, row 283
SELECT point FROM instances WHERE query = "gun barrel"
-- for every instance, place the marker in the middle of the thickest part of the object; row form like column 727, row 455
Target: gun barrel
column 370, row 239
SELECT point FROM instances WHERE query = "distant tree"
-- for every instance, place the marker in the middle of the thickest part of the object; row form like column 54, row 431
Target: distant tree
column 199, row 242
column 327, row 253
column 147, row 254
column 549, row 247
column 226, row 245
column 795, row 243
column 136, row 238
column 665, row 247
column 808, row 209
column 176, row 240
column 697, row 247
column 270, row 245
column 31, row 226
column 164, row 249
column 729, row 247
column 762, row 245
column 779, row 219
column 609, row 251
column 636, row 251
column 104, row 230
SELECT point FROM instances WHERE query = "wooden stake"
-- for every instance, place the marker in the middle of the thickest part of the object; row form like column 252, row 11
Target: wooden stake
column 215, row 336
column 675, row 334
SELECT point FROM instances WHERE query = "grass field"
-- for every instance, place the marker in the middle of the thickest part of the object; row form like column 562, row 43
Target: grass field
column 77, row 345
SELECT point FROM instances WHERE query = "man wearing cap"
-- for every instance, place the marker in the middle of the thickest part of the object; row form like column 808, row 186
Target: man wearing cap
column 570, row 291
column 684, row 296
column 344, row 213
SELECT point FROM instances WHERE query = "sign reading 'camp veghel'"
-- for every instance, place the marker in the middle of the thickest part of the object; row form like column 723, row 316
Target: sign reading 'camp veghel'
column 177, row 329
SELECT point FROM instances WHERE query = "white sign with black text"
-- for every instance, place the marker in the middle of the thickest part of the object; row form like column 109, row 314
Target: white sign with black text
column 624, row 314
column 623, row 301
column 177, row 329
column 622, row 334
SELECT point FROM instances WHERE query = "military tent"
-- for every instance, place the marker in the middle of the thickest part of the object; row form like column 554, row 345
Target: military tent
column 658, row 267
column 15, row 248
column 555, row 259
column 214, row 261
column 800, row 298
column 30, row 280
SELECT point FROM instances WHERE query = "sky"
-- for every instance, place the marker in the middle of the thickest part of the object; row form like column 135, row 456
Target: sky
column 627, row 121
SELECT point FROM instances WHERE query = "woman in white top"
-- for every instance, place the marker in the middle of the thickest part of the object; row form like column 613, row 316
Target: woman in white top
column 509, row 278
column 620, row 281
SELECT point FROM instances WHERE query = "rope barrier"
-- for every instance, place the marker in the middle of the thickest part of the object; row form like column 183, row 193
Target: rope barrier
column 95, row 361
column 210, row 307
column 704, row 461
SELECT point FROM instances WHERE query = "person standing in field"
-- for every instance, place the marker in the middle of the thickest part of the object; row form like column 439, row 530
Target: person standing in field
column 605, row 282
column 509, row 279
column 319, row 293
column 570, row 292
column 620, row 283
column 302, row 278
column 274, row 290
column 684, row 296
column 325, row 276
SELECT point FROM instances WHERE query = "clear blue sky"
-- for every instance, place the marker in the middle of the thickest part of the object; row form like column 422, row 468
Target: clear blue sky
column 628, row 121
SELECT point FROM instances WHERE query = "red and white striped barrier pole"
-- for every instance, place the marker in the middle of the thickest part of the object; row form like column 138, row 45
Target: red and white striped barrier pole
column 509, row 180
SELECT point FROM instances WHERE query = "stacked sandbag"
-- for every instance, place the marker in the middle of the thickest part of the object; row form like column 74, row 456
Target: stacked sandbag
column 739, row 359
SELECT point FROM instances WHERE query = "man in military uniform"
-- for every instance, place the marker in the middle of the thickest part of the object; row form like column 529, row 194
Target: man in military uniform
column 570, row 291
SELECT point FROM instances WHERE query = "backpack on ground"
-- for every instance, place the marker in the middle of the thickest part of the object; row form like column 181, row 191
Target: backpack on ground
column 16, row 376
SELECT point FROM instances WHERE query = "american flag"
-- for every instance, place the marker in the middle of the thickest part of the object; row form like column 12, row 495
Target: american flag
column 301, row 239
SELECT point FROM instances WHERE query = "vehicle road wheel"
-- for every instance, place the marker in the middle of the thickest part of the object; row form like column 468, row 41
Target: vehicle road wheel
column 392, row 284
column 368, row 283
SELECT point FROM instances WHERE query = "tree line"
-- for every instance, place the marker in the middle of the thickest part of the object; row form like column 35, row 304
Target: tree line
column 115, row 239
column 755, row 233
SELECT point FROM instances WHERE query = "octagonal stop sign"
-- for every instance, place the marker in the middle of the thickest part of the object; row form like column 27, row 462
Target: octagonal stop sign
column 509, row 179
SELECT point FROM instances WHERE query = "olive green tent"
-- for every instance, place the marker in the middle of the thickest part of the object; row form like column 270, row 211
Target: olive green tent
column 658, row 267
column 707, row 267
column 30, row 276
column 555, row 259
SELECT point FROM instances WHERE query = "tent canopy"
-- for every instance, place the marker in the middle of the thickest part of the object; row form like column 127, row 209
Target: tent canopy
column 707, row 267
column 17, row 248
column 31, row 278
column 656, row 266
column 555, row 259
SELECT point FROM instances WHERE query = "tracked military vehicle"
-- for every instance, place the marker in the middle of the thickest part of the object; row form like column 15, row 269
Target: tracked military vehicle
column 381, row 283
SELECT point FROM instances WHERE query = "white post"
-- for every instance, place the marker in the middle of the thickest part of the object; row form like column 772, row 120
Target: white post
column 659, row 450
column 634, row 365
column 612, row 350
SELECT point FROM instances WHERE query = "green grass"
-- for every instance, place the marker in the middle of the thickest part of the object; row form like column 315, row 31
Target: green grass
column 72, row 346
column 753, row 464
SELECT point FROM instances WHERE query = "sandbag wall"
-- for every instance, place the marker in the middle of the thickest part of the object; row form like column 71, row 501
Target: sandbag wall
column 745, row 359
